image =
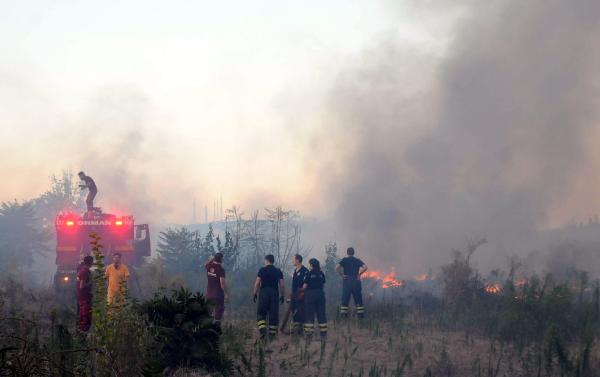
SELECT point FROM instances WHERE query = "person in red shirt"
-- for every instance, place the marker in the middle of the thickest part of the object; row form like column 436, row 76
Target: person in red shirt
column 84, row 294
column 216, row 290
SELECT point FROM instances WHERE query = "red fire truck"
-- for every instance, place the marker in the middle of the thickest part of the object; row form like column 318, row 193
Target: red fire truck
column 118, row 234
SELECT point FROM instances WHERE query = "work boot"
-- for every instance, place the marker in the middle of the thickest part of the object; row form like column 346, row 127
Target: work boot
column 297, row 329
column 323, row 337
column 360, row 311
column 273, row 332
column 344, row 311
column 262, row 328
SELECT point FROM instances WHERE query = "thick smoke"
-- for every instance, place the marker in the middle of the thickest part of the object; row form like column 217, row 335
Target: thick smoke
column 120, row 143
column 111, row 157
column 506, row 137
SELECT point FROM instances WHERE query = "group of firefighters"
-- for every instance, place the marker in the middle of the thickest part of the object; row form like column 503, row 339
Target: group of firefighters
column 307, row 298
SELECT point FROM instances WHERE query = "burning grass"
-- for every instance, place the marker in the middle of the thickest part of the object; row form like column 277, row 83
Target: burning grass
column 494, row 288
column 543, row 327
column 386, row 280
column 457, row 324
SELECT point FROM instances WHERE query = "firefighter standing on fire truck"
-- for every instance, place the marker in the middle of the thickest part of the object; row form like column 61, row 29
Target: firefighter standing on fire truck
column 270, row 282
column 350, row 268
column 92, row 190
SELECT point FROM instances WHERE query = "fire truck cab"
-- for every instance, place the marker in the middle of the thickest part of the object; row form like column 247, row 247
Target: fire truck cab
column 118, row 234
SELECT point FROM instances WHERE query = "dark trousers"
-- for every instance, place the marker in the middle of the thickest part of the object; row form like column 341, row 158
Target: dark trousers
column 352, row 287
column 314, row 304
column 89, row 200
column 298, row 309
column 219, row 302
column 85, row 313
column 268, row 306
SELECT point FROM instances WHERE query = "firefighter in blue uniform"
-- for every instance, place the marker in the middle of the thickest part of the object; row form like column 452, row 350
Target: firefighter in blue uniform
column 297, row 297
column 350, row 268
column 268, row 285
column 314, row 300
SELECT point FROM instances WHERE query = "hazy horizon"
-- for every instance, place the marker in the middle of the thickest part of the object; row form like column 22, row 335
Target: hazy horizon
column 402, row 128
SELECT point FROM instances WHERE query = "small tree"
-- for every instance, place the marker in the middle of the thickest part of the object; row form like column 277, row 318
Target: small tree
column 182, row 252
column 286, row 236
column 250, row 238
column 207, row 247
column 230, row 251
column 461, row 280
column 331, row 260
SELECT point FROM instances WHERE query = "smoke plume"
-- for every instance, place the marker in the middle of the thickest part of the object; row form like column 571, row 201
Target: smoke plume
column 126, row 161
column 502, row 144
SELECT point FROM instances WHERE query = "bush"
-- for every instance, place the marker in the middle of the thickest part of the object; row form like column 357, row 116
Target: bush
column 462, row 284
column 185, row 333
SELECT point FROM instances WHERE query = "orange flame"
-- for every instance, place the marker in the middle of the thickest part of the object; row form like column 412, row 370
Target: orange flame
column 493, row 288
column 387, row 280
column 422, row 277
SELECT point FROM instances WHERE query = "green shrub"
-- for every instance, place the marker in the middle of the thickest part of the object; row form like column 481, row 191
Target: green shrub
column 185, row 333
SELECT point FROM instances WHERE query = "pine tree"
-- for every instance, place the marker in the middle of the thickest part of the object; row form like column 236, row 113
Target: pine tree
column 333, row 285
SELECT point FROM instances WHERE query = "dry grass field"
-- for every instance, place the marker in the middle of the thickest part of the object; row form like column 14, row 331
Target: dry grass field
column 407, row 347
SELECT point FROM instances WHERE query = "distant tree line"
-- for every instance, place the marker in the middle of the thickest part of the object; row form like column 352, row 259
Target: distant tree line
column 27, row 227
column 182, row 252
